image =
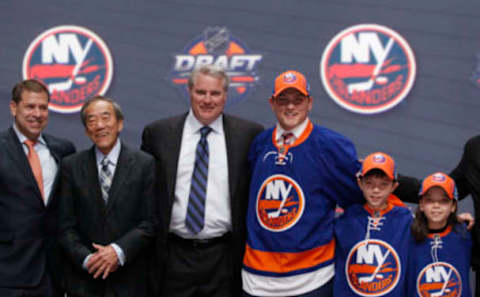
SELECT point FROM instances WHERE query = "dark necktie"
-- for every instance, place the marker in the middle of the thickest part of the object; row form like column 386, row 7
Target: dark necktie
column 105, row 178
column 195, row 218
column 287, row 138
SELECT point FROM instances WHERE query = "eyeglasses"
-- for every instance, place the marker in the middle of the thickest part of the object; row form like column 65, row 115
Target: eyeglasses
column 283, row 101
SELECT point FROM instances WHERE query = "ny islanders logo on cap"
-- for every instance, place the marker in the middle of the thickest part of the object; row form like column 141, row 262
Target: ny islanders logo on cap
column 280, row 203
column 373, row 268
column 217, row 46
column 368, row 69
column 439, row 279
column 379, row 158
column 438, row 177
column 73, row 62
column 289, row 78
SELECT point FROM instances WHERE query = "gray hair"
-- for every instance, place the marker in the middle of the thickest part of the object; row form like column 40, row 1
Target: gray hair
column 210, row 70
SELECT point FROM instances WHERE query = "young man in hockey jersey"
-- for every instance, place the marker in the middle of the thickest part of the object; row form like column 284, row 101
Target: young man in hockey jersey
column 372, row 239
column 440, row 249
column 300, row 171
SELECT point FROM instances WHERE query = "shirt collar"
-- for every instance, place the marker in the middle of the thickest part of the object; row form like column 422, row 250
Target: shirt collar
column 22, row 137
column 112, row 155
column 297, row 131
column 195, row 125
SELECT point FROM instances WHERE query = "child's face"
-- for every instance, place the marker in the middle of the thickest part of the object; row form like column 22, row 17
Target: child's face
column 376, row 190
column 437, row 207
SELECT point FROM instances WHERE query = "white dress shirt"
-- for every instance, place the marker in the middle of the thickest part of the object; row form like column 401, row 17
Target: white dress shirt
column 297, row 131
column 48, row 163
column 217, row 205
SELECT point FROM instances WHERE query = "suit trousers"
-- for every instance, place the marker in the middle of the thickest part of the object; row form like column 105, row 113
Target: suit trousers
column 196, row 269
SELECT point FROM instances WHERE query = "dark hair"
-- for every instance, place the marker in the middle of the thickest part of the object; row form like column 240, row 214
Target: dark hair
column 30, row 85
column 116, row 108
column 420, row 223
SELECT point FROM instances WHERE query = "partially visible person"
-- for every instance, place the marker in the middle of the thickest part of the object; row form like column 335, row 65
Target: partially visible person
column 30, row 258
column 440, row 247
column 300, row 171
column 203, row 176
column 372, row 239
column 106, row 224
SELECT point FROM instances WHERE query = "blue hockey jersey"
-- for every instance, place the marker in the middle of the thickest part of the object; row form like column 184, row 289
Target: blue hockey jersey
column 371, row 252
column 440, row 265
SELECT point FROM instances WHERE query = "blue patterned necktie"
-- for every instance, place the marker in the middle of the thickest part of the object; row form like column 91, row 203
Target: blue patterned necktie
column 198, row 189
column 105, row 178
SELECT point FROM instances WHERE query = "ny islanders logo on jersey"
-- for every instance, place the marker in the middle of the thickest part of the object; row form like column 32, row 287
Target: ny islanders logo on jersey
column 218, row 47
column 373, row 268
column 439, row 279
column 368, row 69
column 73, row 62
column 280, row 203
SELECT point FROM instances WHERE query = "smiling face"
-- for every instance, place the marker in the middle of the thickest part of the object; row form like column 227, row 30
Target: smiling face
column 102, row 125
column 437, row 207
column 31, row 113
column 207, row 98
column 376, row 190
column 291, row 108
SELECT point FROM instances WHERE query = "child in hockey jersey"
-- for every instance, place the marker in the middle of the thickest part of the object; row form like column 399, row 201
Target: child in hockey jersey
column 440, row 247
column 372, row 239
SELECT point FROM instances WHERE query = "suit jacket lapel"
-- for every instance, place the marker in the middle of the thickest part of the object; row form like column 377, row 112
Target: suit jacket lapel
column 231, row 143
column 174, row 134
column 20, row 159
column 124, row 165
column 92, row 178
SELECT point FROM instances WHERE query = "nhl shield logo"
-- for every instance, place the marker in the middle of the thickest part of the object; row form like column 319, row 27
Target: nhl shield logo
column 280, row 203
column 217, row 46
column 439, row 279
column 373, row 268
column 73, row 62
column 368, row 69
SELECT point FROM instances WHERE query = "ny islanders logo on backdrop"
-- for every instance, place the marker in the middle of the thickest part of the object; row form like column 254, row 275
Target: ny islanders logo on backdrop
column 217, row 46
column 373, row 268
column 439, row 279
column 368, row 69
column 280, row 203
column 73, row 62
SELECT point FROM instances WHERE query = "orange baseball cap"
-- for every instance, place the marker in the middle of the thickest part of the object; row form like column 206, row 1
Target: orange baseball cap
column 291, row 79
column 380, row 161
column 441, row 180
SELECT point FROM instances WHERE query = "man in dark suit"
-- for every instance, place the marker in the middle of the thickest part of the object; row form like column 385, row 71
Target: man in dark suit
column 203, row 177
column 29, row 162
column 106, row 197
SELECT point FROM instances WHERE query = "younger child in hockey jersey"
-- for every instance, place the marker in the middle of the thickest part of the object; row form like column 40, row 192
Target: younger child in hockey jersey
column 440, row 247
column 372, row 239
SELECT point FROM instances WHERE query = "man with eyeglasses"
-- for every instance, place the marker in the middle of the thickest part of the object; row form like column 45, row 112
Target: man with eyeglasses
column 300, row 171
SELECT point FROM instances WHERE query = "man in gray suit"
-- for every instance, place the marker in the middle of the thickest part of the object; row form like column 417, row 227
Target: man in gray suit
column 202, row 189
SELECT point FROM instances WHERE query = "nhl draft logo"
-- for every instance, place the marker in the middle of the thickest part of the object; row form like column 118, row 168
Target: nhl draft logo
column 73, row 62
column 439, row 279
column 280, row 203
column 368, row 69
column 373, row 268
column 217, row 46
column 280, row 158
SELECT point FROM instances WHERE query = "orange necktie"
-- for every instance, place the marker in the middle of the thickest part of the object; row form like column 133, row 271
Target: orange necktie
column 35, row 164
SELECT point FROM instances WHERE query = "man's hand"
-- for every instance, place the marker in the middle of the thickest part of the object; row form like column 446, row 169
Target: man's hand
column 103, row 261
column 466, row 217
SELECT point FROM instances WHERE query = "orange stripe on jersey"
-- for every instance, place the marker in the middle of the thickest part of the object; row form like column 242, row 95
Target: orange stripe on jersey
column 281, row 262
column 444, row 233
column 299, row 140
